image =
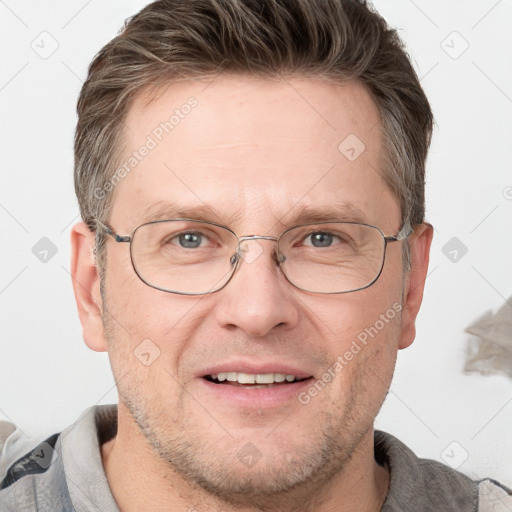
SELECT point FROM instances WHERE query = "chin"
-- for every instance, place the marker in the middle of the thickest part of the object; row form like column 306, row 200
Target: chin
column 264, row 465
column 230, row 478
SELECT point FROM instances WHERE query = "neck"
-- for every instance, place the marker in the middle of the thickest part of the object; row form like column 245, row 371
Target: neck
column 140, row 480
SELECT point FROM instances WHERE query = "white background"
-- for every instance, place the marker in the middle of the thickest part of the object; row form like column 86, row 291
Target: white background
column 48, row 376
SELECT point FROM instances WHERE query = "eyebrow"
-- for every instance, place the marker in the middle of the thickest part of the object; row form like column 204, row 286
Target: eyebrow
column 341, row 211
column 172, row 210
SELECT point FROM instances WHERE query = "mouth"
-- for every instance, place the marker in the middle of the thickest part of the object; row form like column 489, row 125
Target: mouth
column 250, row 384
column 254, row 380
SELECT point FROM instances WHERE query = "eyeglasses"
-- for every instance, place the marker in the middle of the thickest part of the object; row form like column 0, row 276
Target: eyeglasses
column 192, row 257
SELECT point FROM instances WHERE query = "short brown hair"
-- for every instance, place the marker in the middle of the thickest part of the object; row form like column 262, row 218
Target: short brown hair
column 170, row 40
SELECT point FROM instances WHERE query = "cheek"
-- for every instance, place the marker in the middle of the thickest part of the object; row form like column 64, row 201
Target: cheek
column 360, row 333
column 145, row 326
column 360, row 315
column 363, row 371
column 137, row 308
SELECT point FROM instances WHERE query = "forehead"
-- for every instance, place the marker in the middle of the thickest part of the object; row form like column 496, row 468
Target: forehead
column 253, row 151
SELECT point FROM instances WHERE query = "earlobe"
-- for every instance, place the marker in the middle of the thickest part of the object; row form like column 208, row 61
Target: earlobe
column 420, row 243
column 86, row 286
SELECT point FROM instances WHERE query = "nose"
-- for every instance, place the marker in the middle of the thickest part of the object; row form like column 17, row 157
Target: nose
column 258, row 298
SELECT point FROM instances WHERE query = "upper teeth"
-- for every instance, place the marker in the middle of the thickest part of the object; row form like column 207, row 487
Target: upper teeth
column 250, row 378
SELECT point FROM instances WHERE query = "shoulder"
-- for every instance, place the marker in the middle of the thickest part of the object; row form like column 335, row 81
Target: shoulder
column 423, row 484
column 13, row 444
column 35, row 481
column 46, row 478
column 493, row 496
column 6, row 430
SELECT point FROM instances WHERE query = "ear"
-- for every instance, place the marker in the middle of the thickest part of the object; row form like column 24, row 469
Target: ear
column 414, row 284
column 86, row 285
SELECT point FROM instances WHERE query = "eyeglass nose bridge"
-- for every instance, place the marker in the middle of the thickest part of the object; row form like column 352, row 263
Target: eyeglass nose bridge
column 239, row 253
column 256, row 237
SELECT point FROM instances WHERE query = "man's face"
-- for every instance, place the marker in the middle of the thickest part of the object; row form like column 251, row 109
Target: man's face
column 253, row 154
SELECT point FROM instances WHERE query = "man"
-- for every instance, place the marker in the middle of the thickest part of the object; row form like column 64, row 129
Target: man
column 251, row 181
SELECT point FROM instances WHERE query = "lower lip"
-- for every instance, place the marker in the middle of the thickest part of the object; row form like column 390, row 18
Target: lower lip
column 258, row 397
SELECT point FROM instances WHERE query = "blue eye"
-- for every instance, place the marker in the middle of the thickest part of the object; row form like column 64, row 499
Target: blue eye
column 190, row 240
column 321, row 239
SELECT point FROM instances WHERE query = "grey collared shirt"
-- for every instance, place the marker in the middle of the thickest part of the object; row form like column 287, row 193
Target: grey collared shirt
column 65, row 474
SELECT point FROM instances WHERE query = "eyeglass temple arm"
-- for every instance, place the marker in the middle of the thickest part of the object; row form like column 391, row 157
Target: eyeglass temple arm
column 403, row 234
column 113, row 234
